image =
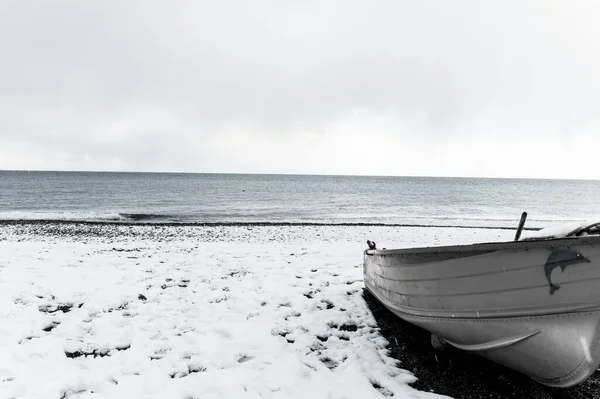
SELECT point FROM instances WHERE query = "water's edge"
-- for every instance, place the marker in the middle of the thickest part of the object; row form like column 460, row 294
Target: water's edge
column 242, row 224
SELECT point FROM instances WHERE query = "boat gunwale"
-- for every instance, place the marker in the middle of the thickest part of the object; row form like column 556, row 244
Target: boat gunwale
column 491, row 246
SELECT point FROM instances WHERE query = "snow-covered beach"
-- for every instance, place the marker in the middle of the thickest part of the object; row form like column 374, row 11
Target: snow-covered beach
column 159, row 311
column 109, row 310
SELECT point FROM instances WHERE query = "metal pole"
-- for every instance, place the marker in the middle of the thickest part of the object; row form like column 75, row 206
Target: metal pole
column 521, row 225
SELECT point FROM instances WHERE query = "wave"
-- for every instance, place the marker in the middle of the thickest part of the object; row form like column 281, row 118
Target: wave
column 142, row 217
column 60, row 216
column 241, row 219
column 89, row 216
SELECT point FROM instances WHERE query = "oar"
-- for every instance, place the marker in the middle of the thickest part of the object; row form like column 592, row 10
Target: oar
column 521, row 225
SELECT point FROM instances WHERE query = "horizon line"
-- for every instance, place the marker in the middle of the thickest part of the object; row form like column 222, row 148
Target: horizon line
column 297, row 174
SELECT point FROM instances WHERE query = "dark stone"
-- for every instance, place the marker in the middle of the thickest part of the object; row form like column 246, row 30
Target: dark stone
column 51, row 326
column 61, row 307
column 328, row 303
column 94, row 352
column 348, row 327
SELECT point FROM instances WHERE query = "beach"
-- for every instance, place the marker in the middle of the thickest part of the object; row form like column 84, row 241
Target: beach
column 124, row 310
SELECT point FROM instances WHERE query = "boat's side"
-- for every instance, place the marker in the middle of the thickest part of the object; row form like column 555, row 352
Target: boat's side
column 561, row 277
column 534, row 308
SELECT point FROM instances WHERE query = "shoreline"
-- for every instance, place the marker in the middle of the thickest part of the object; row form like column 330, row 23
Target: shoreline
column 11, row 222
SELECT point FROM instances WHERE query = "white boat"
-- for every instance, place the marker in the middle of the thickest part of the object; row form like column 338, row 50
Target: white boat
column 532, row 305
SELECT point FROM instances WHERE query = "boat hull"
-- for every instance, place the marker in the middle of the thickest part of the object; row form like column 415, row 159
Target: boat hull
column 500, row 301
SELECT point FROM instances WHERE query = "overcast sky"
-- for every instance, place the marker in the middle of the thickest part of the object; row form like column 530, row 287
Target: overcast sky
column 443, row 88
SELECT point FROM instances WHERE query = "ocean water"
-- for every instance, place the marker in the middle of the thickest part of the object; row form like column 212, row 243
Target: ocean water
column 238, row 198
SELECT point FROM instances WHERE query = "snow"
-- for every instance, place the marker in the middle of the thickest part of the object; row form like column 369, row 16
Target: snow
column 197, row 312
column 558, row 230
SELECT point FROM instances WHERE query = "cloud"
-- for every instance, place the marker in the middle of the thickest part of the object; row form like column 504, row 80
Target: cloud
column 299, row 87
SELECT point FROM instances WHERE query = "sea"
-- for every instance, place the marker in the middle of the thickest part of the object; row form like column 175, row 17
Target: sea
column 120, row 197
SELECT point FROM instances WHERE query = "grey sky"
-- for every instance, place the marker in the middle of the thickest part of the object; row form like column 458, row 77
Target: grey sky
column 453, row 88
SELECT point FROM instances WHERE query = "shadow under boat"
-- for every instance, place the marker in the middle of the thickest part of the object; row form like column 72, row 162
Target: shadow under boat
column 503, row 301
